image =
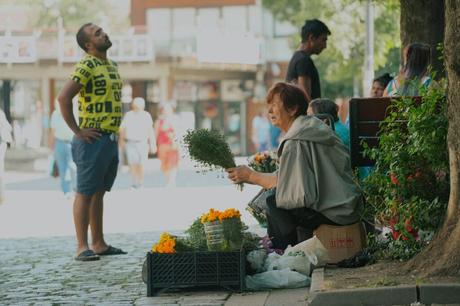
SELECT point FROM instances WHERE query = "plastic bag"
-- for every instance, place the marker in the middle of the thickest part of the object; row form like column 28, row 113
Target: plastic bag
column 257, row 259
column 270, row 261
column 277, row 279
column 313, row 249
column 297, row 261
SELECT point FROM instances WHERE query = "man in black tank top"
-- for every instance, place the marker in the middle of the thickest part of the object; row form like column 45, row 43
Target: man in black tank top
column 301, row 69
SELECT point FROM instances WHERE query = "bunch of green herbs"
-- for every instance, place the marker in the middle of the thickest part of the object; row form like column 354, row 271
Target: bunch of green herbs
column 209, row 149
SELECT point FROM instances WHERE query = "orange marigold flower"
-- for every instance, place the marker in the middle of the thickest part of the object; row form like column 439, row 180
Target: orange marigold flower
column 229, row 213
column 166, row 244
column 211, row 216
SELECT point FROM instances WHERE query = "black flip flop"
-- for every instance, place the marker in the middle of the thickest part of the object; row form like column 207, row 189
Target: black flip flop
column 112, row 251
column 87, row 255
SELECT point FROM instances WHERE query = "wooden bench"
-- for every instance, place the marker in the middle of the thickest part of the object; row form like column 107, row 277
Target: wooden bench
column 366, row 114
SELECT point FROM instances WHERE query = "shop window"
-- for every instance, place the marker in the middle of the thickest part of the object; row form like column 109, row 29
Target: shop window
column 255, row 20
column 184, row 23
column 159, row 24
column 235, row 19
column 283, row 28
column 208, row 18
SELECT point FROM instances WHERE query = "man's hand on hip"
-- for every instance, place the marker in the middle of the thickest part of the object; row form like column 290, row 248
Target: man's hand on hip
column 88, row 135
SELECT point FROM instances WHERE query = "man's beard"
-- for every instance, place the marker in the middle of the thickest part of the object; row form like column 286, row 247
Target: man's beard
column 105, row 46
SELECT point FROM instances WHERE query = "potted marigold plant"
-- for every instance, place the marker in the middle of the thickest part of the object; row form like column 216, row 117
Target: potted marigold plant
column 232, row 229
column 213, row 229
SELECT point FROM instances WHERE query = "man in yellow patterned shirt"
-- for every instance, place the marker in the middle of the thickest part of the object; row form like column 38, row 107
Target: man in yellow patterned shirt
column 94, row 146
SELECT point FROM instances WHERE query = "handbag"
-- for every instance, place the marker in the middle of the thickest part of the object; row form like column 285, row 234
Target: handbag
column 55, row 172
column 53, row 169
column 257, row 207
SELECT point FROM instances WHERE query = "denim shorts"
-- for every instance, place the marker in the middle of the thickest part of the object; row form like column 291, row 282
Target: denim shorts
column 97, row 163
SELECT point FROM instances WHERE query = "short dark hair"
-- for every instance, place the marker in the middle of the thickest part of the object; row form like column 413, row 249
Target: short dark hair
column 314, row 27
column 292, row 96
column 325, row 106
column 82, row 36
column 384, row 79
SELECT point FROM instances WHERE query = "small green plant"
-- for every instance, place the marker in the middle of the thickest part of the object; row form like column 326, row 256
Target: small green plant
column 196, row 236
column 210, row 150
column 409, row 187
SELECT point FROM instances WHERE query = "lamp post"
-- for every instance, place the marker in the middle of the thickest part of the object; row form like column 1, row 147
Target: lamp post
column 368, row 68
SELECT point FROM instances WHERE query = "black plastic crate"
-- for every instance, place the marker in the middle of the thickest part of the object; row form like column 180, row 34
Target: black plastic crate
column 193, row 269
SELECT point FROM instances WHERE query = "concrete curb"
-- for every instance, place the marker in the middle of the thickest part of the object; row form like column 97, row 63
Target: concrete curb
column 367, row 296
column 317, row 281
column 394, row 295
column 439, row 293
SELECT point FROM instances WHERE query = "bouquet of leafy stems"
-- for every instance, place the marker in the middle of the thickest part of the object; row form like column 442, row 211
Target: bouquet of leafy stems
column 209, row 149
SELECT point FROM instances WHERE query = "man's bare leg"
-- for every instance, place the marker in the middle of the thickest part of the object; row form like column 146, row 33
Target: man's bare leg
column 137, row 175
column 98, row 244
column 141, row 174
column 81, row 216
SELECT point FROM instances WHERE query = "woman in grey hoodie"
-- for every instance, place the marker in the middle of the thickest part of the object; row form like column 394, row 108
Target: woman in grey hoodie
column 314, row 183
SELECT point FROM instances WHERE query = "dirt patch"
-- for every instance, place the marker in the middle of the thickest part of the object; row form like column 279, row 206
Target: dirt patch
column 380, row 274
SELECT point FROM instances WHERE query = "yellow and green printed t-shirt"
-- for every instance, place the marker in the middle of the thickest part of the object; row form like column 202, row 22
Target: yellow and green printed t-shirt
column 99, row 102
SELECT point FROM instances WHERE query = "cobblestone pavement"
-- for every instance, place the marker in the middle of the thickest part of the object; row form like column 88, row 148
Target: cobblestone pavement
column 43, row 271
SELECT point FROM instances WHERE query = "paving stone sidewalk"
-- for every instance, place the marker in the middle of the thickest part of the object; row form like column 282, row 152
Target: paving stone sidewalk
column 43, row 271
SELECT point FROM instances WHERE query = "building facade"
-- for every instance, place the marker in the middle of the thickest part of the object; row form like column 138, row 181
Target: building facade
column 212, row 59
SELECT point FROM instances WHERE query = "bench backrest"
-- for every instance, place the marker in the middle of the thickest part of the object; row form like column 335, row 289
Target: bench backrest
column 366, row 114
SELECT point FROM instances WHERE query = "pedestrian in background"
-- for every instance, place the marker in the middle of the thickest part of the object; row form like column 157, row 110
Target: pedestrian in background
column 95, row 144
column 414, row 74
column 61, row 136
column 168, row 150
column 379, row 84
column 301, row 69
column 5, row 138
column 137, row 139
column 327, row 106
column 261, row 132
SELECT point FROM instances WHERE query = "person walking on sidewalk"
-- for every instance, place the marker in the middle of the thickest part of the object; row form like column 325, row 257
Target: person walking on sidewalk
column 138, row 139
column 95, row 143
column 5, row 138
column 61, row 136
column 301, row 69
column 168, row 150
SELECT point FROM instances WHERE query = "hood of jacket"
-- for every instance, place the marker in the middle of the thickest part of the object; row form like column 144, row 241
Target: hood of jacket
column 312, row 129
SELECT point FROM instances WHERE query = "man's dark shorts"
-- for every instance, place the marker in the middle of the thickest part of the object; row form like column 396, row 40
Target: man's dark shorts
column 97, row 163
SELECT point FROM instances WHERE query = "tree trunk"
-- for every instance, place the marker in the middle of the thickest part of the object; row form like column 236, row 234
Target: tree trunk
column 442, row 256
column 423, row 21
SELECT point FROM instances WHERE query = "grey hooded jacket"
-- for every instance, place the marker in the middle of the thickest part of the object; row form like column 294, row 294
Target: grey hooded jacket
column 315, row 172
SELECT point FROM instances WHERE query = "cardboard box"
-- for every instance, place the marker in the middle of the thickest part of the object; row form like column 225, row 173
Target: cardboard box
column 342, row 242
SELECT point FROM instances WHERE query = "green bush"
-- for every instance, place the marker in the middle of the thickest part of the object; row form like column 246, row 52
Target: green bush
column 409, row 187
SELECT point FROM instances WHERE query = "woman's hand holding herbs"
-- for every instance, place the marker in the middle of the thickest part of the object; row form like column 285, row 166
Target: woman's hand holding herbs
column 240, row 174
column 210, row 150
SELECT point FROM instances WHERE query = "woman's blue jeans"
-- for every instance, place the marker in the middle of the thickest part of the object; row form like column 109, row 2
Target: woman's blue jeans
column 66, row 166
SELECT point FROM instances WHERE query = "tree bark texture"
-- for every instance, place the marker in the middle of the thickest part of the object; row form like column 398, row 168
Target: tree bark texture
column 442, row 256
column 452, row 58
column 423, row 21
